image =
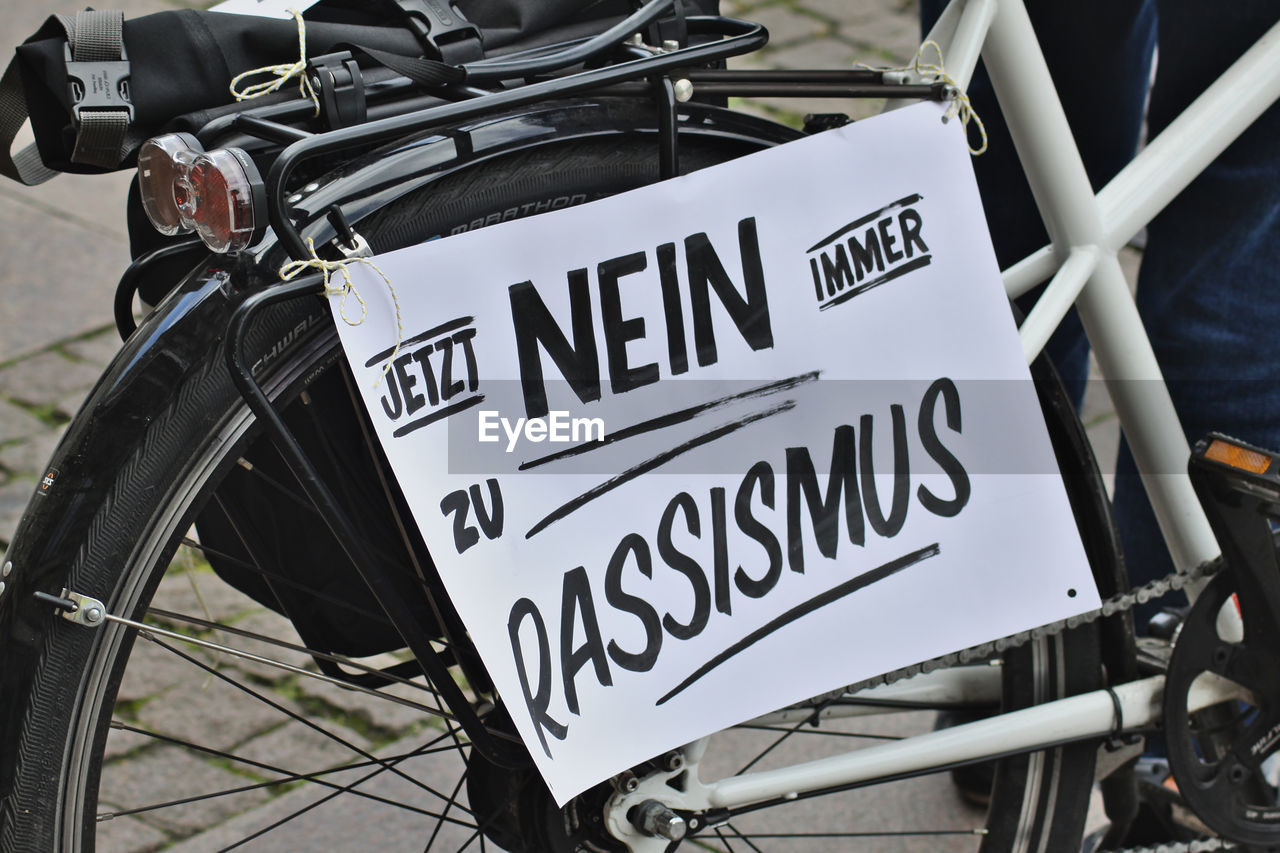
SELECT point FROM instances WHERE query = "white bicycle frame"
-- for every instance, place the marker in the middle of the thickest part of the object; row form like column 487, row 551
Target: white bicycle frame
column 1086, row 231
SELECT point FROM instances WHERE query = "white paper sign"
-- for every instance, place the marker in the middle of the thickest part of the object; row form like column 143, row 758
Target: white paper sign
column 691, row 453
column 263, row 8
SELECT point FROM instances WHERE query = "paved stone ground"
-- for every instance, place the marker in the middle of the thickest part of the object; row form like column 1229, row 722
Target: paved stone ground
column 63, row 247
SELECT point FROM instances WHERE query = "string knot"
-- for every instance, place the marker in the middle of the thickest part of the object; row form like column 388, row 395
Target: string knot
column 283, row 73
column 346, row 288
column 960, row 107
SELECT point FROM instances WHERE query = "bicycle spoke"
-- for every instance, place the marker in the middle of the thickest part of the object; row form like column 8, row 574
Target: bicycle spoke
column 744, row 839
column 817, row 732
column 280, row 488
column 287, row 581
column 787, row 733
column 386, row 479
column 257, row 786
column 293, row 715
column 289, row 776
column 327, row 798
column 453, row 800
column 274, row 641
column 305, row 503
column 727, row 846
column 150, row 632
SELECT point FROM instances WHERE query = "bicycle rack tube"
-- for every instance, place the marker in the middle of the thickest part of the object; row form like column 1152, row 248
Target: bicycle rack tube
column 639, row 77
column 499, row 747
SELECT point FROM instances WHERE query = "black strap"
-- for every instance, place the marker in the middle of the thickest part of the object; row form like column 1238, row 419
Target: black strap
column 442, row 30
column 95, row 42
column 428, row 73
column 95, row 50
column 26, row 166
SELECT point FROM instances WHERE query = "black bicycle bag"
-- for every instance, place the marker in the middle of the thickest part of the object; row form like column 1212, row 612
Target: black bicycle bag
column 97, row 86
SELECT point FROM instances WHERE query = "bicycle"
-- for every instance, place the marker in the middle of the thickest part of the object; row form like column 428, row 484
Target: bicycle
column 195, row 410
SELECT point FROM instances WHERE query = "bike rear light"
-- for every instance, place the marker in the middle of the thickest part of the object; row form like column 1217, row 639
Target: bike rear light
column 218, row 194
column 223, row 187
column 162, row 170
column 1237, row 457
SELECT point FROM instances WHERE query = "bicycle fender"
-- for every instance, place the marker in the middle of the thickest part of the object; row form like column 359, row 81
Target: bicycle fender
column 137, row 386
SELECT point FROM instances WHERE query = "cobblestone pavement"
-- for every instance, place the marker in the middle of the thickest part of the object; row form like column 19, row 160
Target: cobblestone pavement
column 64, row 246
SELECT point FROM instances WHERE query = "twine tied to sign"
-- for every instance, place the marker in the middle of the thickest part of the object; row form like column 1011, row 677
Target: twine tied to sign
column 283, row 73
column 960, row 106
column 346, row 288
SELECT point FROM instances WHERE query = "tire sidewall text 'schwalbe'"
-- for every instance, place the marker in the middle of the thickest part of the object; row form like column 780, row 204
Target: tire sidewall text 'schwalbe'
column 192, row 444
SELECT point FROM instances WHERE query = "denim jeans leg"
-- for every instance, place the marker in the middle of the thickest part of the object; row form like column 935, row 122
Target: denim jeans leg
column 1209, row 286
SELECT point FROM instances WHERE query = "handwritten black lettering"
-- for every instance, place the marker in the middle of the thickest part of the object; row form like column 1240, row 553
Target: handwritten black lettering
column 909, row 224
column 868, row 252
column 946, row 389
column 459, row 503
column 710, row 558
column 413, row 401
column 685, row 565
column 464, row 535
column 537, row 331
column 803, row 479
column 576, row 601
column 677, row 349
column 535, row 328
column 836, row 272
column 720, row 551
column 642, row 661
column 536, row 702
column 618, row 330
column 749, row 312
column 448, row 385
column 866, row 255
column 423, row 358
column 888, row 239
column 417, row 384
column 760, row 474
column 886, row 526
column 490, row 521
column 836, row 593
column 391, row 403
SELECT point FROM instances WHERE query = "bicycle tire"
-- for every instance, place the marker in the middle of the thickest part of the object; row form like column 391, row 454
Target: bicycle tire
column 56, row 796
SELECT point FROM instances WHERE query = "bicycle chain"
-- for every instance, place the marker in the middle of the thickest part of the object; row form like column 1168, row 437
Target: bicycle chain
column 1110, row 607
column 1116, row 604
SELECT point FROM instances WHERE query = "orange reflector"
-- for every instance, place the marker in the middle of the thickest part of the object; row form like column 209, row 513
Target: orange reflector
column 1238, row 457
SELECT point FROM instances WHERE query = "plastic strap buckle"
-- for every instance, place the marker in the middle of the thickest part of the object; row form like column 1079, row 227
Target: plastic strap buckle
column 98, row 85
column 339, row 85
column 443, row 30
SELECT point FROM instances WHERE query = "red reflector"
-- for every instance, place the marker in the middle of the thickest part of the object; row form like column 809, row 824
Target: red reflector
column 212, row 193
column 222, row 200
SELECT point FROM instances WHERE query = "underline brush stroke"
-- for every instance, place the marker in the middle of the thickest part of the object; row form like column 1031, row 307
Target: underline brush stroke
column 654, row 462
column 439, row 414
column 672, row 419
column 856, row 290
column 870, row 217
column 435, row 332
column 849, row 587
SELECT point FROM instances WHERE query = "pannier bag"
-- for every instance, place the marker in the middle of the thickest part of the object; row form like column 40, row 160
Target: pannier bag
column 96, row 86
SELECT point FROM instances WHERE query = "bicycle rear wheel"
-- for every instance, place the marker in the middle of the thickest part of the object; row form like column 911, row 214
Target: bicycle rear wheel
column 139, row 740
